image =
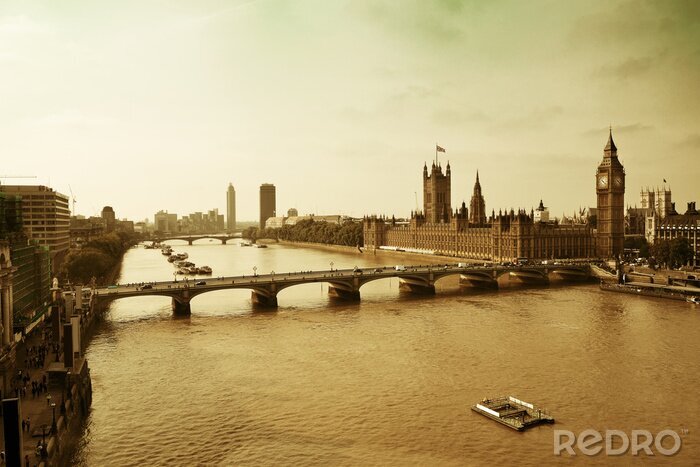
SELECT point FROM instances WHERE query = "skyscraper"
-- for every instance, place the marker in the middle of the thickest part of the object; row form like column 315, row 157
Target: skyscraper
column 268, row 203
column 230, row 208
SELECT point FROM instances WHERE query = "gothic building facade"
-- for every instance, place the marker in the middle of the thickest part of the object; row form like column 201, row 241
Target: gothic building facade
column 506, row 236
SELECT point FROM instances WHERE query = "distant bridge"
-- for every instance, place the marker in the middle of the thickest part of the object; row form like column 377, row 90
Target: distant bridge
column 344, row 283
column 223, row 238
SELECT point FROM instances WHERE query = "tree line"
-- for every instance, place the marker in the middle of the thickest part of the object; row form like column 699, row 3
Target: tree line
column 98, row 257
column 308, row 230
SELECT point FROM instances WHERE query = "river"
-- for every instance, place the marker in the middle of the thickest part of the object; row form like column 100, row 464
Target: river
column 385, row 381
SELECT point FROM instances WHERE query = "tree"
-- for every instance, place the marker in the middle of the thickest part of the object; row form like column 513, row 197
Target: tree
column 680, row 252
column 661, row 250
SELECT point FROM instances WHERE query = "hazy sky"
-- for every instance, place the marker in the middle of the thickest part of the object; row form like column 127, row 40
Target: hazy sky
column 159, row 104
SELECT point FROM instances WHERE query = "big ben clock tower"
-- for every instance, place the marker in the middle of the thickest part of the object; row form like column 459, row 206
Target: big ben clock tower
column 610, row 188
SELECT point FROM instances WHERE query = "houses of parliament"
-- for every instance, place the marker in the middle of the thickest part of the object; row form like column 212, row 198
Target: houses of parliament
column 506, row 236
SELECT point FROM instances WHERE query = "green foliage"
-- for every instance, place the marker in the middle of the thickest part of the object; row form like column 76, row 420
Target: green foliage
column 97, row 257
column 308, row 230
column 672, row 253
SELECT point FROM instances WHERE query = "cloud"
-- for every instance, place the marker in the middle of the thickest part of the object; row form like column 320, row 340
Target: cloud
column 630, row 68
column 622, row 129
column 68, row 118
column 690, row 141
column 19, row 25
column 537, row 118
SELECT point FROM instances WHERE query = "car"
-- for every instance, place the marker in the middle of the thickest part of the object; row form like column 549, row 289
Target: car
column 200, row 283
column 379, row 270
column 399, row 268
column 147, row 286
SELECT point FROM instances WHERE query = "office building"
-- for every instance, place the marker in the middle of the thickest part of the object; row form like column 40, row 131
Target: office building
column 230, row 208
column 268, row 203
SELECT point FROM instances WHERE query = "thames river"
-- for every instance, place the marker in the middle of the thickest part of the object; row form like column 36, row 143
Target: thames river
column 385, row 381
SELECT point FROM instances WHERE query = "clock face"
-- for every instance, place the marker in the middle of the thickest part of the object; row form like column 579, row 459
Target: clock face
column 617, row 181
column 603, row 181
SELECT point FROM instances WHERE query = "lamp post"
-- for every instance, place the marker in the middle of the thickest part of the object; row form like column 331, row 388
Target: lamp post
column 48, row 400
column 53, row 418
column 331, row 263
column 255, row 270
column 272, row 273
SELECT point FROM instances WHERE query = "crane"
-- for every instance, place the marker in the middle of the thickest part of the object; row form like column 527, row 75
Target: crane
column 73, row 200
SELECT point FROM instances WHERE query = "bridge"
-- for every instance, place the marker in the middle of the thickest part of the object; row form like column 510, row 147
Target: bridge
column 223, row 238
column 344, row 283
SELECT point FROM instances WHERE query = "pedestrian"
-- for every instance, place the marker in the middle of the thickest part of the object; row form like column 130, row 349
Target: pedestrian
column 24, row 425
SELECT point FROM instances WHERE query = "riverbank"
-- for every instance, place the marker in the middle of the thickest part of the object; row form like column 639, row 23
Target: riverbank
column 392, row 257
column 672, row 292
column 55, row 403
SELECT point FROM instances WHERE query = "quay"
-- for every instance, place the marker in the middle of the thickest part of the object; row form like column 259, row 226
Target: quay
column 673, row 292
column 49, row 393
column 344, row 283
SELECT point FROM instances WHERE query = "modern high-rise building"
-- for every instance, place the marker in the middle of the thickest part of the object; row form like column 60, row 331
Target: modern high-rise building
column 230, row 208
column 45, row 215
column 610, row 188
column 268, row 203
column 165, row 222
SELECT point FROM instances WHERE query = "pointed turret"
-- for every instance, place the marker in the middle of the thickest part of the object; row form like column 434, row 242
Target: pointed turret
column 610, row 148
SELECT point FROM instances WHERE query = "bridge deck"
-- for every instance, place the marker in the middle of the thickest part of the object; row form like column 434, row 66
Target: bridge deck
column 282, row 280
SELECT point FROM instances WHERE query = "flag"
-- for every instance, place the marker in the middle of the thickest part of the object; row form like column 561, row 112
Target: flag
column 439, row 149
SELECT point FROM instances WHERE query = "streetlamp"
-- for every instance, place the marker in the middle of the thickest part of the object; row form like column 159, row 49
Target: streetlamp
column 331, row 266
column 175, row 276
column 53, row 418
column 48, row 400
column 255, row 270
column 272, row 273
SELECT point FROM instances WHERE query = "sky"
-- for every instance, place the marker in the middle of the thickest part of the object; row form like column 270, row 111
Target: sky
column 153, row 104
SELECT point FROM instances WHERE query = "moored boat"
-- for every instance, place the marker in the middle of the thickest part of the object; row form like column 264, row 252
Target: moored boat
column 512, row 412
column 695, row 300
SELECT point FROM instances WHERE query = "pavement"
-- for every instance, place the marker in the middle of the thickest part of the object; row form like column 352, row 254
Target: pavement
column 38, row 408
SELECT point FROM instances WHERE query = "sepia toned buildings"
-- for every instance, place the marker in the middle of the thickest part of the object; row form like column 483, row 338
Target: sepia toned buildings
column 509, row 235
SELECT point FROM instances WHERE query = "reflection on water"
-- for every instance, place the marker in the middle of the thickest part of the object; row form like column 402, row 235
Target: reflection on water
column 388, row 380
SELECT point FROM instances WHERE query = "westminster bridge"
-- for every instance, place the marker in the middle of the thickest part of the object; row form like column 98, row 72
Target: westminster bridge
column 343, row 283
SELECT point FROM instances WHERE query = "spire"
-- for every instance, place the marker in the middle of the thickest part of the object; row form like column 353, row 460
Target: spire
column 610, row 147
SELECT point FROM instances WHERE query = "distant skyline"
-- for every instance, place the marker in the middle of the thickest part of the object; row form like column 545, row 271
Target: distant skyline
column 149, row 105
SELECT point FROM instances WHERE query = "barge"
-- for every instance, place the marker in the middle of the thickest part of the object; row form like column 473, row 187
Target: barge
column 512, row 412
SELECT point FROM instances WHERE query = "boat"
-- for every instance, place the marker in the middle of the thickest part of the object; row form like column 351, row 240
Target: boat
column 695, row 300
column 512, row 412
column 258, row 245
column 245, row 244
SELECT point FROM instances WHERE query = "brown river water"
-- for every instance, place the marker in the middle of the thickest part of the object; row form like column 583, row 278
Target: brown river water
column 388, row 380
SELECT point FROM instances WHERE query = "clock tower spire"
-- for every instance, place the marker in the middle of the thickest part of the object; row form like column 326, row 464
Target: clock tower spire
column 610, row 190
